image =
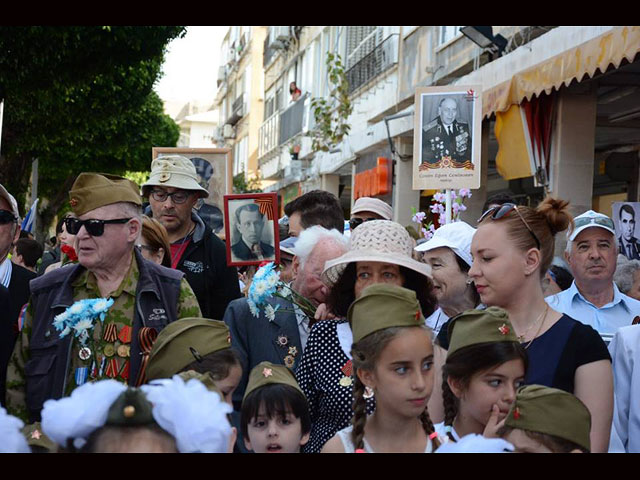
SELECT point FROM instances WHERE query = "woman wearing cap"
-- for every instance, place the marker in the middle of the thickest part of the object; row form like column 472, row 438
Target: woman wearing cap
column 512, row 250
column 380, row 252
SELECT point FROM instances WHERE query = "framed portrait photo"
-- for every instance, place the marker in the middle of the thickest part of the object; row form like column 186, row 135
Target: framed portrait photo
column 447, row 136
column 251, row 228
column 214, row 169
column 625, row 217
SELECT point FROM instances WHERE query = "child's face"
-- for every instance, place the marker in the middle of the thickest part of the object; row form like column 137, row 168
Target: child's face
column 525, row 444
column 496, row 386
column 403, row 377
column 229, row 384
column 276, row 434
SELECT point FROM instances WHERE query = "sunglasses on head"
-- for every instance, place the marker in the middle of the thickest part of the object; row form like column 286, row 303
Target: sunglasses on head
column 500, row 211
column 603, row 221
column 94, row 227
column 6, row 217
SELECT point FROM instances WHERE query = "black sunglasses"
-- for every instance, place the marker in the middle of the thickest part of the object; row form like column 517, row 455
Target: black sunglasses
column 7, row 217
column 355, row 222
column 94, row 227
column 499, row 211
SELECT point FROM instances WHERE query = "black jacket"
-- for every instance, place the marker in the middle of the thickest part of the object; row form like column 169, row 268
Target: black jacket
column 204, row 264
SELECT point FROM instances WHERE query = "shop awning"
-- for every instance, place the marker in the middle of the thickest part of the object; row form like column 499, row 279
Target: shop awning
column 610, row 48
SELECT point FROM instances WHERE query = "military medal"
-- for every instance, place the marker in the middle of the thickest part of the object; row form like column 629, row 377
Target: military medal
column 109, row 350
column 125, row 334
column 283, row 340
column 289, row 361
column 347, row 370
column 81, row 375
column 84, row 353
column 124, row 351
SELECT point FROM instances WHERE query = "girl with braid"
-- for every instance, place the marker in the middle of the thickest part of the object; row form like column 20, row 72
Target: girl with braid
column 485, row 366
column 393, row 359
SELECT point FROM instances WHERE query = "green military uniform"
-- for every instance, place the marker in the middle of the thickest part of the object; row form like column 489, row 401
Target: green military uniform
column 108, row 355
column 121, row 314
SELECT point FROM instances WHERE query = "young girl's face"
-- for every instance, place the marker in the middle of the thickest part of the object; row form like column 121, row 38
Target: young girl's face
column 275, row 434
column 403, row 376
column 496, row 386
column 229, row 384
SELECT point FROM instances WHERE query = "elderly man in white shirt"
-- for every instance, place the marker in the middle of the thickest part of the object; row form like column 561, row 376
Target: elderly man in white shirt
column 593, row 298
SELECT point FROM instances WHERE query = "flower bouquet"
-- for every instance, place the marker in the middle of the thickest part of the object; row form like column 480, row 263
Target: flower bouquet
column 266, row 284
column 427, row 229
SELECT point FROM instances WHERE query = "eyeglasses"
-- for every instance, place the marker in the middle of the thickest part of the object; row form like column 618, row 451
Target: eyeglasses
column 94, row 227
column 177, row 197
column 7, row 217
column 354, row 222
column 499, row 211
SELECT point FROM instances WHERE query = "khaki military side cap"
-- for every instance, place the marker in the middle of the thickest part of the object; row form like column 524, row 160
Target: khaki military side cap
column 131, row 408
column 94, row 190
column 181, row 342
column 267, row 373
column 383, row 306
column 36, row 438
column 480, row 326
column 552, row 412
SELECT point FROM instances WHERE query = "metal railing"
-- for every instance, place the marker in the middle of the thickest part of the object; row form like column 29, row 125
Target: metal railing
column 237, row 110
column 379, row 60
column 291, row 120
column 268, row 135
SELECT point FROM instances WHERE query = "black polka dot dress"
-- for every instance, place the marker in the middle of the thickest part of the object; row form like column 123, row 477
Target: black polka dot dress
column 324, row 374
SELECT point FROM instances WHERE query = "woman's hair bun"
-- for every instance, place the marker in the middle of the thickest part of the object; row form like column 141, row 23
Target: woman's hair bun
column 556, row 212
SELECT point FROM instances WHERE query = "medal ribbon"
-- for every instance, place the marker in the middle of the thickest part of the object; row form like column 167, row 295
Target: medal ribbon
column 348, row 368
column 110, row 333
column 146, row 337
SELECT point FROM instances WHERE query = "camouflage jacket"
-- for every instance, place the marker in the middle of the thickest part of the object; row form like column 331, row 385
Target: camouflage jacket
column 44, row 366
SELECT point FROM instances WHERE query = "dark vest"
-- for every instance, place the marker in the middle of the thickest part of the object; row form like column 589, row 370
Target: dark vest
column 46, row 371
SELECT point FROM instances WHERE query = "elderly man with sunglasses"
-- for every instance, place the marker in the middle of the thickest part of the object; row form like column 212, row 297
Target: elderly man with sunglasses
column 173, row 191
column 594, row 298
column 46, row 363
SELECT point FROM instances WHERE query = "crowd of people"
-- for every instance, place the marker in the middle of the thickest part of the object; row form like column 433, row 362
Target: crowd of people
column 133, row 334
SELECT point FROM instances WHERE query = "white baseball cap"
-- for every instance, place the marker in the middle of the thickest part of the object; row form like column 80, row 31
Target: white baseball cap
column 457, row 236
column 590, row 219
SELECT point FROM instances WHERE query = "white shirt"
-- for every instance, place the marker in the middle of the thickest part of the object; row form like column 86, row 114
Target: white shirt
column 436, row 320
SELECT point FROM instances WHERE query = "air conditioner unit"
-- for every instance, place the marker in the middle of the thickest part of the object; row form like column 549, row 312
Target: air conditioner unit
column 279, row 45
column 228, row 131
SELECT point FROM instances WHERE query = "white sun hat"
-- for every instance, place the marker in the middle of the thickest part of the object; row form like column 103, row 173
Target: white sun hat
column 457, row 236
column 376, row 241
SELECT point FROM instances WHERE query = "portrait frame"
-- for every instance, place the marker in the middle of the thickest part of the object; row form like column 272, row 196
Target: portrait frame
column 441, row 161
column 236, row 248
column 634, row 242
column 214, row 168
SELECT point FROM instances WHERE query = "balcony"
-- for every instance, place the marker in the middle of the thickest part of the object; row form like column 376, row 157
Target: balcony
column 237, row 110
column 292, row 120
column 268, row 135
column 378, row 61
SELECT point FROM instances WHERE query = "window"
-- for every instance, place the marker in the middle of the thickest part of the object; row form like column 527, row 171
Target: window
column 448, row 33
column 361, row 40
column 240, row 156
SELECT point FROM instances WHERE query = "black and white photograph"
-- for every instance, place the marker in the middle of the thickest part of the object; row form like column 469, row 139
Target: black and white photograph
column 251, row 228
column 447, row 137
column 625, row 217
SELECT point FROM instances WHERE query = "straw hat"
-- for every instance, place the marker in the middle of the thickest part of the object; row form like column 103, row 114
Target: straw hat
column 376, row 241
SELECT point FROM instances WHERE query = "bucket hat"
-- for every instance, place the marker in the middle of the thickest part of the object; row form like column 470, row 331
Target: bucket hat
column 174, row 171
column 376, row 241
column 374, row 205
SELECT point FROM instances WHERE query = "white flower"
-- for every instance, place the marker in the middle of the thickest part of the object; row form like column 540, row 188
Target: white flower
column 12, row 439
column 253, row 309
column 260, row 287
column 270, row 312
column 272, row 281
column 59, row 320
column 83, row 324
column 65, row 332
column 76, row 309
column 101, row 305
column 285, row 291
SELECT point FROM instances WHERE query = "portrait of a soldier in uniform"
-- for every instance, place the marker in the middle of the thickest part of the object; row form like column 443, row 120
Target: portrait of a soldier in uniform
column 446, row 139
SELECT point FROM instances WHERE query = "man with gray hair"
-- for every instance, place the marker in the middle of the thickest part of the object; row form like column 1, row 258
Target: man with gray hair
column 282, row 338
column 593, row 298
column 46, row 363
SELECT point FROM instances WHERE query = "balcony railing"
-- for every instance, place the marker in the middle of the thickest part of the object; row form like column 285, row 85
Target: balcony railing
column 268, row 135
column 237, row 110
column 381, row 59
column 291, row 120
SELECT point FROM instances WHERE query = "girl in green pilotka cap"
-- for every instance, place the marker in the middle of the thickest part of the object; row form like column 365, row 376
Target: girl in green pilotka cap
column 485, row 366
column 392, row 358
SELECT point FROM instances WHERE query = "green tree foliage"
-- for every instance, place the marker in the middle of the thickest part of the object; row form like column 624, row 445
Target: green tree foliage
column 80, row 99
column 243, row 185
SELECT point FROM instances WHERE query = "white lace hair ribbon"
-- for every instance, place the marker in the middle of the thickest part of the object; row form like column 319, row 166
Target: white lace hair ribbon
column 193, row 415
column 80, row 414
column 11, row 438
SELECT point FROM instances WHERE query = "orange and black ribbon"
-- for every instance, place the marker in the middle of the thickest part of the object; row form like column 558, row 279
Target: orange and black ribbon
column 110, row 333
column 146, row 337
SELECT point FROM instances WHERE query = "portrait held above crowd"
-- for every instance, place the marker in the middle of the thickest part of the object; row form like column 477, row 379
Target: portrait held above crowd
column 477, row 339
